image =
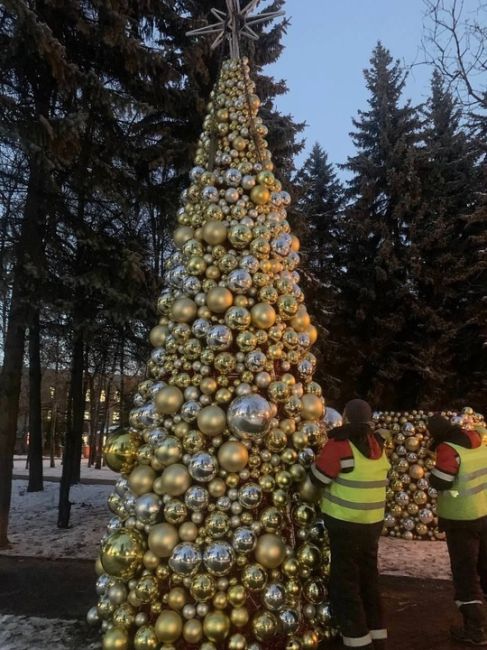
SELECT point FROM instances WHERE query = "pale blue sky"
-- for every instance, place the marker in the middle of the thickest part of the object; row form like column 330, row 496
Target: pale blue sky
column 328, row 44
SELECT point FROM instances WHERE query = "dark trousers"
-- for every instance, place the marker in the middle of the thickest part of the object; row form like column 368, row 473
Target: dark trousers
column 467, row 547
column 354, row 577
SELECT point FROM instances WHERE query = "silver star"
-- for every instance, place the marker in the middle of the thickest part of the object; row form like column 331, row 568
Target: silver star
column 234, row 24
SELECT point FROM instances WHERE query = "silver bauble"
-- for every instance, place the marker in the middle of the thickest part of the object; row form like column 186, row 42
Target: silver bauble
column 239, row 281
column 219, row 558
column 147, row 508
column 219, row 337
column 244, row 540
column 289, row 619
column 197, row 498
column 332, row 418
column 249, row 416
column 250, row 496
column 203, row 467
column 185, row 559
column 274, row 596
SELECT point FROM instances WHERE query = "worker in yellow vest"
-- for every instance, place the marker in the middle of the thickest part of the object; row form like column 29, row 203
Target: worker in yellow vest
column 352, row 470
column 460, row 476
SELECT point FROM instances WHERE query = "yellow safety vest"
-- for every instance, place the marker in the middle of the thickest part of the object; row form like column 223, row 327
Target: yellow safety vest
column 467, row 498
column 358, row 496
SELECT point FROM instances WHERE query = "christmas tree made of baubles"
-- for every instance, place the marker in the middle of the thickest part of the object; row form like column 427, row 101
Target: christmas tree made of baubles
column 215, row 541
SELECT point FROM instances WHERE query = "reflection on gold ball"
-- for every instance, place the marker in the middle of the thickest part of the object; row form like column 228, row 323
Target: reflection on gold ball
column 263, row 315
column 216, row 626
column 203, row 587
column 270, row 551
column 219, row 299
column 254, row 577
column 145, row 639
column 121, row 553
column 212, row 420
column 264, row 626
column 162, row 539
column 120, row 452
column 416, row 472
column 115, row 639
column 237, row 642
column 233, row 456
column 169, row 626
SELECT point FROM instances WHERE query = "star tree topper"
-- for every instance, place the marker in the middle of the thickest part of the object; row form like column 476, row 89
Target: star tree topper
column 235, row 23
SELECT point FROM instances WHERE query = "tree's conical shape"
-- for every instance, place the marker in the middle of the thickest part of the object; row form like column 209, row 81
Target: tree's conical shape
column 215, row 542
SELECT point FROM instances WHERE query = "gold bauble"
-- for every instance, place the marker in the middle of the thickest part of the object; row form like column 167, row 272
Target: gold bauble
column 237, row 595
column 219, row 299
column 312, row 407
column 162, row 539
column 174, row 480
column 270, row 551
column 237, row 642
column 271, row 519
column 296, row 244
column 239, row 616
column 184, row 310
column 169, row 451
column 309, row 556
column 264, row 626
column 146, row 638
column 310, row 640
column 182, row 235
column 177, row 598
column 288, row 425
column 216, row 626
column 214, row 232
column 312, row 332
column 188, row 531
column 208, row 386
column 151, row 561
column 196, row 265
column 412, row 443
column 254, row 577
column 233, row 456
column 220, row 600
column 301, row 320
column 169, row 400
column 115, row 639
column 217, row 487
column 158, row 335
column 212, row 420
column 263, row 315
column 416, row 472
column 141, row 479
column 309, row 492
column 146, row 589
column 120, row 452
column 121, row 554
column 193, row 631
column 260, row 195
column 168, row 626
column 203, row 587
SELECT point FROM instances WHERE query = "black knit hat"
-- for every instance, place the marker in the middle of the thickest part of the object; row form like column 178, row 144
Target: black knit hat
column 358, row 412
column 439, row 426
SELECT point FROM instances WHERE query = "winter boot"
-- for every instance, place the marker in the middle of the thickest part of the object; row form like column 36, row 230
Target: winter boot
column 474, row 630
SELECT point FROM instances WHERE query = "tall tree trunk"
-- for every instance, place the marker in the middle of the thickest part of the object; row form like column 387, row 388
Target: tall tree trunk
column 35, row 416
column 74, row 428
column 11, row 375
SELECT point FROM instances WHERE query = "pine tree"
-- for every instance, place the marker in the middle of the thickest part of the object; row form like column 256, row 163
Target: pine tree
column 372, row 323
column 441, row 257
column 318, row 221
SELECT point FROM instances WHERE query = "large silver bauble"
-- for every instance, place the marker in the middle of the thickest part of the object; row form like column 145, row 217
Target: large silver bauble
column 233, row 177
column 249, row 416
column 232, row 195
column 323, row 613
column 289, row 620
column 425, row 516
column 244, row 540
column 218, row 558
column 147, row 508
column 332, row 418
column 282, row 244
column 239, row 281
column 203, row 467
column 274, row 596
column 200, row 327
column 219, row 337
column 196, row 173
column 250, row 263
column 185, row 559
column 402, row 498
column 250, row 496
column 210, row 194
column 432, row 493
column 190, row 410
column 255, row 361
column 197, row 498
column 191, row 285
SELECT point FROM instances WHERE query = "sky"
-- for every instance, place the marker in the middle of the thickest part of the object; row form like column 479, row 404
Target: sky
column 328, row 44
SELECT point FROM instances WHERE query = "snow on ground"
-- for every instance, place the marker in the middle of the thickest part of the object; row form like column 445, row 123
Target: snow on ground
column 87, row 473
column 33, row 531
column 21, row 632
column 417, row 559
